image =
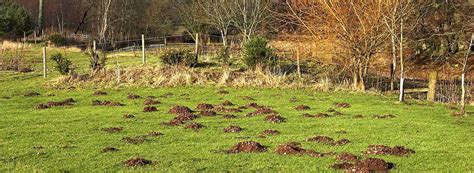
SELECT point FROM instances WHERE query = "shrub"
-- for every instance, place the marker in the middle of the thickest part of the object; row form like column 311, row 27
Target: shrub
column 63, row 65
column 97, row 62
column 258, row 53
column 14, row 20
column 179, row 57
column 223, row 55
column 58, row 40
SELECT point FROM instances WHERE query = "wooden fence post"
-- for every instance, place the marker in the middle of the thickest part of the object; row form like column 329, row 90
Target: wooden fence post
column 94, row 46
column 166, row 42
column 34, row 33
column 196, row 51
column 45, row 75
column 143, row 49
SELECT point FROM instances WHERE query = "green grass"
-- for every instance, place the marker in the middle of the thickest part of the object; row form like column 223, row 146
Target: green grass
column 72, row 140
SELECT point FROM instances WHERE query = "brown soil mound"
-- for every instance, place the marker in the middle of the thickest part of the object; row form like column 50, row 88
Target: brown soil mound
column 150, row 109
column 253, row 105
column 194, row 126
column 371, row 165
column 226, row 110
column 32, row 94
column 227, row 103
column 294, row 148
column 204, row 106
column 208, row 113
column 133, row 96
column 320, row 115
column 179, row 110
column 342, row 105
column 134, row 140
column 112, row 129
column 247, row 147
column 66, row 102
column 42, row 106
column 389, row 116
column 347, row 157
column 232, row 129
column 109, row 149
column 106, row 103
column 322, row 139
column 229, row 116
column 181, row 119
column 343, row 165
column 137, row 162
column 302, row 108
column 128, row 116
column 386, row 150
column 151, row 102
column 100, row 93
column 262, row 111
column 155, row 134
column 274, row 119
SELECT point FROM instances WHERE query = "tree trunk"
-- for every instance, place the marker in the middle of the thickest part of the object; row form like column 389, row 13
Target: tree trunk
column 463, row 94
column 41, row 17
column 432, row 81
column 393, row 65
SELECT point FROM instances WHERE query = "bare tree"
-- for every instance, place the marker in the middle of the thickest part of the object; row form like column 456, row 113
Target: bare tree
column 249, row 15
column 218, row 15
column 466, row 67
column 41, row 17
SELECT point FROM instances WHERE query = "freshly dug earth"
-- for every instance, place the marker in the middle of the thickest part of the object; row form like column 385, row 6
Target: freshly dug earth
column 112, row 129
column 226, row 110
column 66, row 102
column 204, row 106
column 106, row 103
column 247, row 147
column 208, row 113
column 348, row 157
column 134, row 140
column 262, row 111
column 194, row 126
column 320, row 115
column 133, row 96
column 294, row 148
column 386, row 150
column 150, row 109
column 274, row 119
column 229, row 116
column 371, row 165
column 155, row 134
column 328, row 140
column 389, row 116
column 268, row 132
column 137, row 162
column 342, row 105
column 302, row 108
column 232, row 129
column 179, row 110
column 227, row 103
column 151, row 102
column 344, row 165
column 109, row 149
column 181, row 118
column 128, row 116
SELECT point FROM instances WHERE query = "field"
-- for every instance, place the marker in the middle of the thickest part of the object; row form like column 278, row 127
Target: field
column 73, row 137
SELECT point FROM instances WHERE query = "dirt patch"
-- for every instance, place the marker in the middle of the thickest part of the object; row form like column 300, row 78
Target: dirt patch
column 137, row 162
column 181, row 119
column 389, row 116
column 42, row 106
column 128, row 116
column 109, row 150
column 343, row 165
column 302, row 108
column 194, row 126
column 99, row 93
column 342, row 105
column 229, row 116
column 179, row 110
column 348, row 157
column 133, row 96
column 134, row 140
column 208, row 113
column 150, row 109
column 151, row 102
column 274, row 119
column 204, row 106
column 371, row 165
column 253, row 105
column 261, row 111
column 155, row 134
column 328, row 140
column 32, row 94
column 386, row 150
column 112, row 129
column 106, row 103
column 66, row 102
column 319, row 115
column 227, row 110
column 227, row 103
column 294, row 148
column 233, row 129
column 247, row 147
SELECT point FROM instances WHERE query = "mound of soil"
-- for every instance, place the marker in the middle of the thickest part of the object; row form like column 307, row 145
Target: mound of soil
column 247, row 147
column 155, row 134
column 348, row 157
column 128, row 116
column 106, row 103
column 232, row 129
column 371, row 165
column 150, row 109
column 342, row 105
column 253, row 105
column 137, row 162
column 262, row 111
column 100, row 93
column 229, row 116
column 32, row 94
column 194, row 126
column 343, row 165
column 274, row 119
column 341, row 142
column 204, row 106
column 269, row 132
column 208, row 113
column 294, row 148
column 389, row 116
column 226, row 110
column 179, row 110
column 181, row 119
column 133, row 96
column 302, row 108
column 134, row 140
column 42, row 106
column 227, row 103
column 109, row 149
column 66, row 102
column 151, row 102
column 386, row 150
column 322, row 139
column 112, row 129
column 320, row 115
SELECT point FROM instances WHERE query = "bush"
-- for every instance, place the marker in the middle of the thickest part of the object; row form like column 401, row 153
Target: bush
column 223, row 55
column 179, row 57
column 14, row 20
column 258, row 53
column 97, row 62
column 58, row 40
column 63, row 65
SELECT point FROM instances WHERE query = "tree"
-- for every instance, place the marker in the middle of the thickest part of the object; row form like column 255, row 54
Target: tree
column 249, row 15
column 466, row 67
column 218, row 15
column 41, row 17
column 14, row 20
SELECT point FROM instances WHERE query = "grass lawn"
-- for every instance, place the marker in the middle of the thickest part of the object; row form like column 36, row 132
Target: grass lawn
column 70, row 138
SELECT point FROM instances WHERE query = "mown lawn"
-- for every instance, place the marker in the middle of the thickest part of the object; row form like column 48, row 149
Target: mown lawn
column 70, row 138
